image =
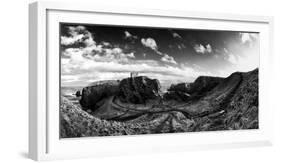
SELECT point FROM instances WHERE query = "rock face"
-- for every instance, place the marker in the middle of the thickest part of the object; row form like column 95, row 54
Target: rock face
column 187, row 91
column 237, row 97
column 75, row 122
column 177, row 95
column 95, row 92
column 242, row 110
column 139, row 89
column 230, row 104
column 204, row 84
column 78, row 94
column 180, row 87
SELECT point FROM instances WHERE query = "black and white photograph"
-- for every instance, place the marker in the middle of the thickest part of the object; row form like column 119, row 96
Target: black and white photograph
column 131, row 80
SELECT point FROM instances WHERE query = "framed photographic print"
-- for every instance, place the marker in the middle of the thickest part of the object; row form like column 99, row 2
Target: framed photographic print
column 110, row 81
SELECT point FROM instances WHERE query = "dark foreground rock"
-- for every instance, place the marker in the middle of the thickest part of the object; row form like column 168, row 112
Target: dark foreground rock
column 75, row 122
column 138, row 90
column 97, row 91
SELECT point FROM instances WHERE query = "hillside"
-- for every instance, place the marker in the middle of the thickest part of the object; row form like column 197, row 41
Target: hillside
column 136, row 107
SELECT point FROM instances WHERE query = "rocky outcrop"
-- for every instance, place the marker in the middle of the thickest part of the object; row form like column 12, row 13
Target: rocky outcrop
column 187, row 91
column 204, row 84
column 95, row 92
column 139, row 89
column 75, row 122
column 236, row 97
column 78, row 93
column 242, row 109
column 225, row 104
column 176, row 95
column 180, row 87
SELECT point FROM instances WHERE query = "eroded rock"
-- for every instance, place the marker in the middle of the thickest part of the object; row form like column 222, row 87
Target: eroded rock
column 187, row 91
column 95, row 92
column 176, row 95
column 139, row 89
column 204, row 84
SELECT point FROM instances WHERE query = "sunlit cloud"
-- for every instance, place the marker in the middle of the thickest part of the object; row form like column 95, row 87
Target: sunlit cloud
column 199, row 48
column 176, row 35
column 77, row 34
column 248, row 37
column 87, row 56
column 150, row 43
column 128, row 35
column 168, row 59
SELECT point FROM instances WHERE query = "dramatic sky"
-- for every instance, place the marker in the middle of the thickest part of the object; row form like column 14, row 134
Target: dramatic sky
column 91, row 53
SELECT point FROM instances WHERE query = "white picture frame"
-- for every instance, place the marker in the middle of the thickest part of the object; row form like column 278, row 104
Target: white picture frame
column 44, row 142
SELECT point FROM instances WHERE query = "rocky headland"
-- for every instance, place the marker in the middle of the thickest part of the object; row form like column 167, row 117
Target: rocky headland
column 136, row 105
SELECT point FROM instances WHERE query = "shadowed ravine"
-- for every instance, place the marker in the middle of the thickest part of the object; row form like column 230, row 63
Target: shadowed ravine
column 134, row 106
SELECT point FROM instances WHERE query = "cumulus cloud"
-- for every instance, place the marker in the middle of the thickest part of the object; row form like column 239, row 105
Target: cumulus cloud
column 91, row 50
column 176, row 35
column 248, row 37
column 144, row 55
column 90, row 70
column 150, row 43
column 106, row 43
column 103, row 61
column 199, row 48
column 98, row 54
column 128, row 35
column 233, row 59
column 181, row 46
column 242, row 63
column 94, row 62
column 77, row 34
column 71, row 40
column 168, row 59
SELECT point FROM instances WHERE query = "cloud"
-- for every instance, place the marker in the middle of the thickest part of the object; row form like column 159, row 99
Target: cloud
column 233, row 59
column 176, row 35
column 242, row 63
column 181, row 46
column 94, row 62
column 150, row 43
column 168, row 59
column 78, row 34
column 78, row 70
column 99, row 52
column 248, row 37
column 69, row 78
column 103, row 61
column 87, row 70
column 199, row 48
column 128, row 35
column 106, row 43
column 71, row 40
